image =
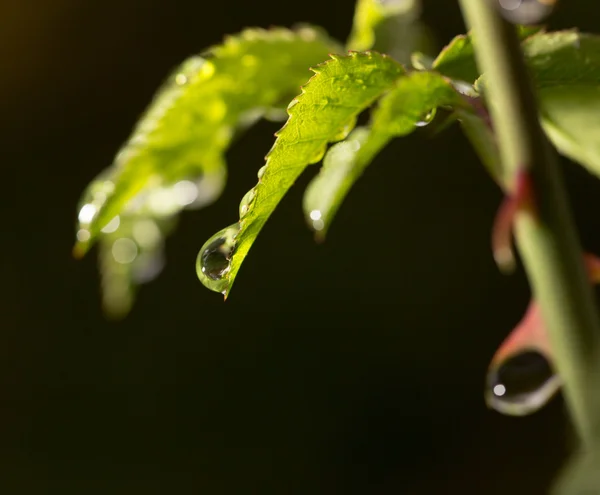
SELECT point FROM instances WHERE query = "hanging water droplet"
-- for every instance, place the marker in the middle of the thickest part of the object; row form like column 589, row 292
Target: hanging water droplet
column 214, row 259
column 521, row 384
column 246, row 202
column 261, row 172
column 426, row 120
column 525, row 11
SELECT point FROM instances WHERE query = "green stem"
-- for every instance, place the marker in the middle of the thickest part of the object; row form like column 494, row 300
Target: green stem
column 547, row 240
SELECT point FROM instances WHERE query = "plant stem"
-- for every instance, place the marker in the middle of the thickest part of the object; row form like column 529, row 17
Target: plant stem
column 547, row 239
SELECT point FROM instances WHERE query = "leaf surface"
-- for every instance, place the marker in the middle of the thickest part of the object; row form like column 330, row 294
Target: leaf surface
column 325, row 112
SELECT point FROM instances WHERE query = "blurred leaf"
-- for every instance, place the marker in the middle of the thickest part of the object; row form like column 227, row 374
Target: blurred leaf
column 371, row 15
column 175, row 156
column 581, row 476
column 565, row 68
column 482, row 138
column 457, row 59
column 342, row 166
column 326, row 111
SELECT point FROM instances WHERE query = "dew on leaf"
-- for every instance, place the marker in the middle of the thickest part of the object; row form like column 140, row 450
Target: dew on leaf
column 261, row 172
column 521, row 384
column 246, row 202
column 525, row 12
column 426, row 120
column 214, row 259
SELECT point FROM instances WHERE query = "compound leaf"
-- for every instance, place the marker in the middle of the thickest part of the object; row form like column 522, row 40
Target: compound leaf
column 175, row 155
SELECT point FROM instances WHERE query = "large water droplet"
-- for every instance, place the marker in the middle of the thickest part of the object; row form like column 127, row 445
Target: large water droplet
column 214, row 259
column 521, row 384
column 246, row 202
column 525, row 11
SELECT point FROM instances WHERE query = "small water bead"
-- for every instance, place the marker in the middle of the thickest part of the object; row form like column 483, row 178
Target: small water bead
column 525, row 11
column 261, row 172
column 214, row 259
column 521, row 384
column 427, row 119
column 246, row 202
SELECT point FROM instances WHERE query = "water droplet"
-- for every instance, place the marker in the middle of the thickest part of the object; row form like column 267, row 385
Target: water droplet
column 525, row 11
column 214, row 259
column 427, row 119
column 261, row 172
column 521, row 384
column 246, row 202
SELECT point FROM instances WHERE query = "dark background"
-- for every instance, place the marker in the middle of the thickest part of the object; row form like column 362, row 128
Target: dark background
column 356, row 366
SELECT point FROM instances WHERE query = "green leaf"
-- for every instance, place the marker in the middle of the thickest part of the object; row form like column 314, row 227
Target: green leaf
column 413, row 101
column 571, row 119
column 369, row 15
column 457, row 59
column 325, row 112
column 565, row 68
column 343, row 164
column 182, row 138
